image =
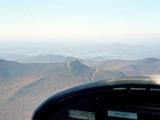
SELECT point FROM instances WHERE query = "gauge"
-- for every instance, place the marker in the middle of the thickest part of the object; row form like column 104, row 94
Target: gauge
column 82, row 115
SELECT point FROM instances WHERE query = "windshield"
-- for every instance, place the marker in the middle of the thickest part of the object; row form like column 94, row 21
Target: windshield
column 49, row 45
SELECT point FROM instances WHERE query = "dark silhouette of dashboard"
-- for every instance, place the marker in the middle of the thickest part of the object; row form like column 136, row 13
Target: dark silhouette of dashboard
column 134, row 98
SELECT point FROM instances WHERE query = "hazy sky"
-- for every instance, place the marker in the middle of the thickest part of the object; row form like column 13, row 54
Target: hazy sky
column 80, row 20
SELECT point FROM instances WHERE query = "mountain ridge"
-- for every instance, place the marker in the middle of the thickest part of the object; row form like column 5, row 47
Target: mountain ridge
column 25, row 85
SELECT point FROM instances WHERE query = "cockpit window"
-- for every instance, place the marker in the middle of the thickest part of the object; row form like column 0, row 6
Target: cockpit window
column 49, row 45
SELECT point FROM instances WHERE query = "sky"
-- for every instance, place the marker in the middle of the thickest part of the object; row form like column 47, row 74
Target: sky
column 80, row 20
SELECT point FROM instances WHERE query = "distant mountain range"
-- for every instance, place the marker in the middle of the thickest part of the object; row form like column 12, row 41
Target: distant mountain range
column 47, row 58
column 50, row 58
column 42, row 52
column 23, row 86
